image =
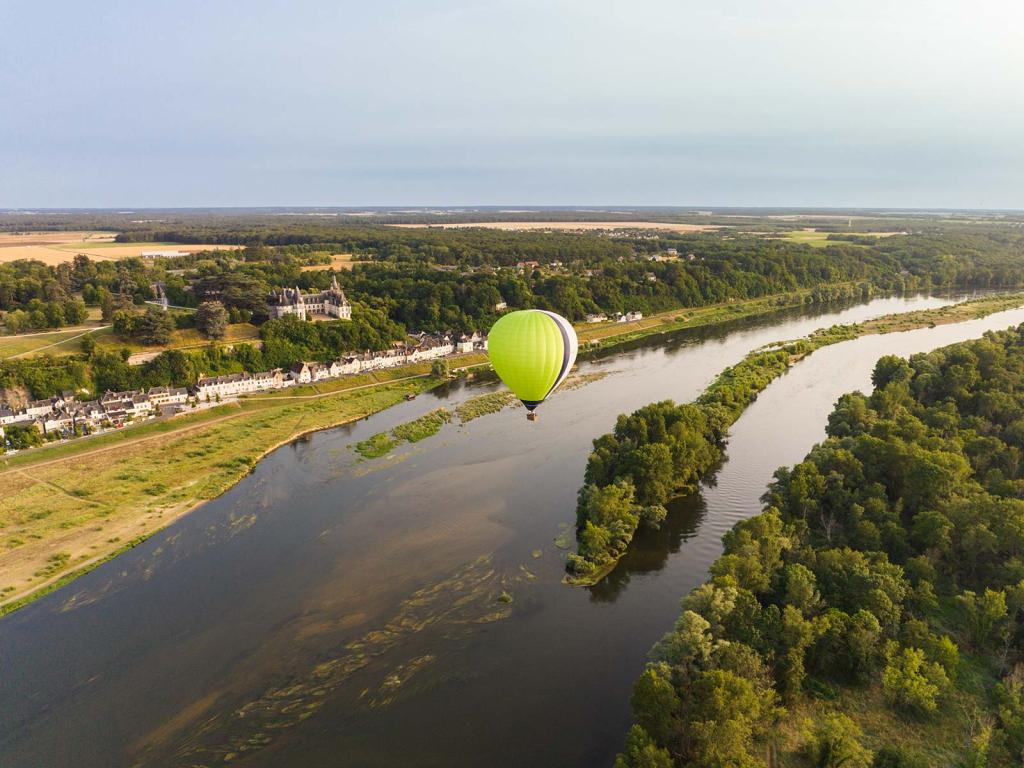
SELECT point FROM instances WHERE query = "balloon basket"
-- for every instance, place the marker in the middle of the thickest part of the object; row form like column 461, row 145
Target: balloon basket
column 531, row 416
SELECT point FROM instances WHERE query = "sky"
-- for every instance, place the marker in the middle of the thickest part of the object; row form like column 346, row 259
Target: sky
column 901, row 103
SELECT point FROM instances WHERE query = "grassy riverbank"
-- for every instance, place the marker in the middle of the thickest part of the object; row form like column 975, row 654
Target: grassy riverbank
column 69, row 508
column 663, row 449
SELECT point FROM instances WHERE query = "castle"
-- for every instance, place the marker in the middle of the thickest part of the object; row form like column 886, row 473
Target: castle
column 330, row 302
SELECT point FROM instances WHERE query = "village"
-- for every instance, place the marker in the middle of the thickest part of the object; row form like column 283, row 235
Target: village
column 66, row 416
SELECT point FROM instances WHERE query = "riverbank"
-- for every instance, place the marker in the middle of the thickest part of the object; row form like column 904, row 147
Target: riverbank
column 611, row 333
column 71, row 506
column 608, row 521
column 74, row 506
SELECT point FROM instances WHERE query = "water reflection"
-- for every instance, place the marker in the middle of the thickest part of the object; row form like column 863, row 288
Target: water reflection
column 651, row 548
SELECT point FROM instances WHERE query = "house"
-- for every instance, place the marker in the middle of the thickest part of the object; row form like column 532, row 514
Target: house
column 292, row 301
column 631, row 317
column 160, row 396
column 141, row 404
column 90, row 412
column 41, row 407
column 7, row 415
column 210, row 387
column 300, row 373
column 524, row 265
column 469, row 343
column 58, row 421
column 501, row 306
column 431, row 348
column 598, row 318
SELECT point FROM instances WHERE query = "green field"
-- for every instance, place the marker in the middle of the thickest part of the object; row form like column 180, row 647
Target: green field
column 53, row 343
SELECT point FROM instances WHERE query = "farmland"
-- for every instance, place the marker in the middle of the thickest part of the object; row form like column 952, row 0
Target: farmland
column 570, row 226
column 54, row 248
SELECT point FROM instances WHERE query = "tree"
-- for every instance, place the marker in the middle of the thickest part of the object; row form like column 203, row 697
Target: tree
column 911, row 682
column 212, row 319
column 88, row 345
column 729, row 713
column 124, row 323
column 834, row 742
column 984, row 615
column 154, row 326
column 642, row 752
column 441, row 369
column 801, row 588
column 75, row 312
column 655, row 704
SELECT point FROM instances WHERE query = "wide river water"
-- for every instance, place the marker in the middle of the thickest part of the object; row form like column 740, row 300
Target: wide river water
column 328, row 611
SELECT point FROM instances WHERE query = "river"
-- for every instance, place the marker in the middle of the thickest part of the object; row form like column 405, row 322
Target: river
column 409, row 610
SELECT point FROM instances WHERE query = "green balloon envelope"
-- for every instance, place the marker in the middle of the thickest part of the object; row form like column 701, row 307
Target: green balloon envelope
column 532, row 351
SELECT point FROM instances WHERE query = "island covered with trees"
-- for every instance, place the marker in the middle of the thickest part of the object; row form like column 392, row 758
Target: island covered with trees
column 873, row 614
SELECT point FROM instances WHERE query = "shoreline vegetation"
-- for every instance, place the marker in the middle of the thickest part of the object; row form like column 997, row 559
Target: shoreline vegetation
column 662, row 450
column 383, row 443
column 872, row 616
column 68, row 510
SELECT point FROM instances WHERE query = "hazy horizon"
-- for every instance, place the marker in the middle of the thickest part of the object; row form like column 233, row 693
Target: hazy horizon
column 794, row 104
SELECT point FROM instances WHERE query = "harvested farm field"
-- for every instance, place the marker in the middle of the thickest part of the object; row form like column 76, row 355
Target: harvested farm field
column 54, row 248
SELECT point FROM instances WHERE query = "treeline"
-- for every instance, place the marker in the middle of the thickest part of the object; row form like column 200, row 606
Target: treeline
column 873, row 614
column 655, row 454
column 453, row 280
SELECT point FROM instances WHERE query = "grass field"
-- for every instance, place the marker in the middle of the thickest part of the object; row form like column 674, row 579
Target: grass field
column 68, row 342
column 54, row 342
column 818, row 239
column 338, row 261
column 69, row 507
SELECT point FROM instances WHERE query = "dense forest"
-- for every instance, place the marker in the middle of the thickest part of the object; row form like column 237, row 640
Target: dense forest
column 873, row 614
column 440, row 280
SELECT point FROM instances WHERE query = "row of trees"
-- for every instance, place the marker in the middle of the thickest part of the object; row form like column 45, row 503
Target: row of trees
column 887, row 569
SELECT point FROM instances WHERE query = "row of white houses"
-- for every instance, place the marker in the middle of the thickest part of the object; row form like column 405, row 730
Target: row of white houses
column 420, row 348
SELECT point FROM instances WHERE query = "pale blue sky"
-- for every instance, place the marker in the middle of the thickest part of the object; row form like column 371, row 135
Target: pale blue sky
column 393, row 102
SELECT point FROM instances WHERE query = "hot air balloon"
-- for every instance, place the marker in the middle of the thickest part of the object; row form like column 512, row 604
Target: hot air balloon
column 532, row 351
